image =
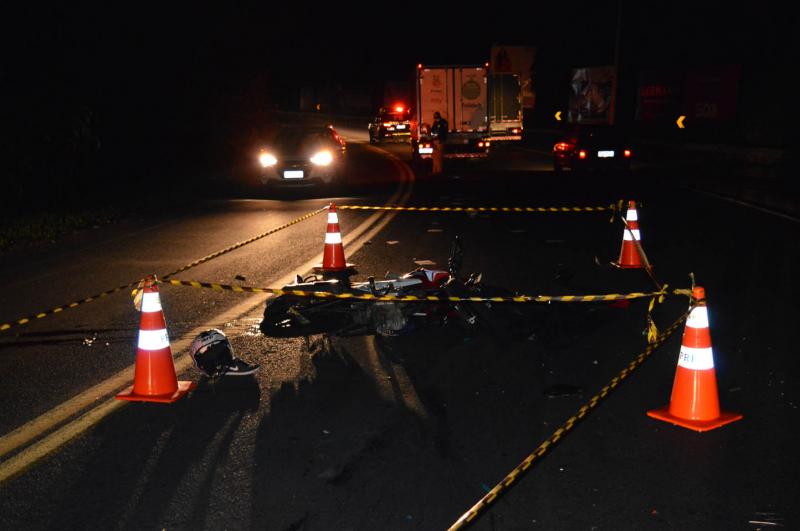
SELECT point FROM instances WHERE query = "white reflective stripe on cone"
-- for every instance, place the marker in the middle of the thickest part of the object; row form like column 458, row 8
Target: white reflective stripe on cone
column 333, row 237
column 632, row 215
column 153, row 339
column 696, row 359
column 151, row 302
column 333, row 217
column 627, row 235
column 698, row 318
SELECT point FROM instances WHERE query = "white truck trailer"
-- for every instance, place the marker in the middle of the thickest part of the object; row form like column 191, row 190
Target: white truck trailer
column 459, row 94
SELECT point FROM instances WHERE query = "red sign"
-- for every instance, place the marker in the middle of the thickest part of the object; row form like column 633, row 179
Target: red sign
column 710, row 93
column 660, row 96
column 704, row 95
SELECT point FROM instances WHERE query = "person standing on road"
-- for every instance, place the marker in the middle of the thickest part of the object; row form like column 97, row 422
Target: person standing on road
column 439, row 134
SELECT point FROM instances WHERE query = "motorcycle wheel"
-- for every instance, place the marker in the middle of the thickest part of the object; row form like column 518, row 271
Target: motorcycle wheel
column 279, row 321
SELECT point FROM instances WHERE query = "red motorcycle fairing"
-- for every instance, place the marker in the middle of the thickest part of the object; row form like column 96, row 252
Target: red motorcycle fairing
column 430, row 278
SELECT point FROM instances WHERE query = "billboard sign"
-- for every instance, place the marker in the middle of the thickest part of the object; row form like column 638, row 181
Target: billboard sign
column 710, row 93
column 704, row 95
column 659, row 97
column 592, row 95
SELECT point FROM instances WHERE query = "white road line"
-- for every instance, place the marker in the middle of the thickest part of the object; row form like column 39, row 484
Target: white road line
column 96, row 396
column 746, row 204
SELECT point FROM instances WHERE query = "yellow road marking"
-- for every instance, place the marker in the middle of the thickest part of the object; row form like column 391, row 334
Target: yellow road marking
column 55, row 440
column 33, row 429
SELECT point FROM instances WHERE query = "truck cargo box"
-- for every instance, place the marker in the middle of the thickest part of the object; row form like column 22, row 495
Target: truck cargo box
column 459, row 94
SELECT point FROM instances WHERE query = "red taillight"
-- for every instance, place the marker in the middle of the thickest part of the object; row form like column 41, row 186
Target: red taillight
column 627, row 153
column 399, row 108
column 582, row 154
column 561, row 146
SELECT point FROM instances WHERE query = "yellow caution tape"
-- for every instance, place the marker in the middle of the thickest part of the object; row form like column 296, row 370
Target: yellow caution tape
column 59, row 309
column 652, row 329
column 245, row 242
column 469, row 516
column 478, row 209
column 135, row 284
column 137, row 299
column 683, row 291
column 137, row 294
column 414, row 298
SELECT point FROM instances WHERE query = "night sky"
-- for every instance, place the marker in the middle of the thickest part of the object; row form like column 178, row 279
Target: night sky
column 157, row 48
column 171, row 81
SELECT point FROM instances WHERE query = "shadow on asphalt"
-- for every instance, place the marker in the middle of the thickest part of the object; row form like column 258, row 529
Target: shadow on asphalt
column 148, row 457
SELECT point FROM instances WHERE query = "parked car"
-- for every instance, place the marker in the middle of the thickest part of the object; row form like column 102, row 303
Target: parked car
column 302, row 156
column 391, row 123
column 584, row 147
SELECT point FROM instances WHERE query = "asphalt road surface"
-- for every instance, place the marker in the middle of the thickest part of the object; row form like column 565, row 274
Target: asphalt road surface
column 372, row 433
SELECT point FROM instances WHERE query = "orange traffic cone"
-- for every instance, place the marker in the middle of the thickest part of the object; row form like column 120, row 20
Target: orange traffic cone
column 629, row 256
column 695, row 403
column 333, row 257
column 154, row 378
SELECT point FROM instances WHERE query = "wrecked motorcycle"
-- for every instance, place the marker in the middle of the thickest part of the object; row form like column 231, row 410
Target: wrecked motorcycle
column 292, row 315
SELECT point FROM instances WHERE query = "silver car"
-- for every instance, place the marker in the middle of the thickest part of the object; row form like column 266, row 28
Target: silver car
column 303, row 156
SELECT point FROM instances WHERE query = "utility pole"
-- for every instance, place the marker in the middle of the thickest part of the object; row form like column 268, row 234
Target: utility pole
column 616, row 62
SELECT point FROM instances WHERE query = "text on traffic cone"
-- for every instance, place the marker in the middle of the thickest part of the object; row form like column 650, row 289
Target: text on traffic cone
column 694, row 403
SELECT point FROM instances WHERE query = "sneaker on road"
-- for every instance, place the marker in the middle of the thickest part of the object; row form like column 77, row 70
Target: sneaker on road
column 240, row 368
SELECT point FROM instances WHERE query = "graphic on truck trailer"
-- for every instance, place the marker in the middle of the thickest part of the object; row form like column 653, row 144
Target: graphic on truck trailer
column 470, row 98
column 592, row 95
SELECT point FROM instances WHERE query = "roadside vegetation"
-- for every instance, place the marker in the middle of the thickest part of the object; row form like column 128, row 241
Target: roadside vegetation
column 46, row 227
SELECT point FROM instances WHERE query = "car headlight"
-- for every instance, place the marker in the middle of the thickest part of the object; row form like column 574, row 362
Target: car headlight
column 322, row 158
column 267, row 160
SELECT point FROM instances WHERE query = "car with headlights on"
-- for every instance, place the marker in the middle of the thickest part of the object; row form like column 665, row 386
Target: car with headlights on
column 592, row 147
column 391, row 123
column 302, row 156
